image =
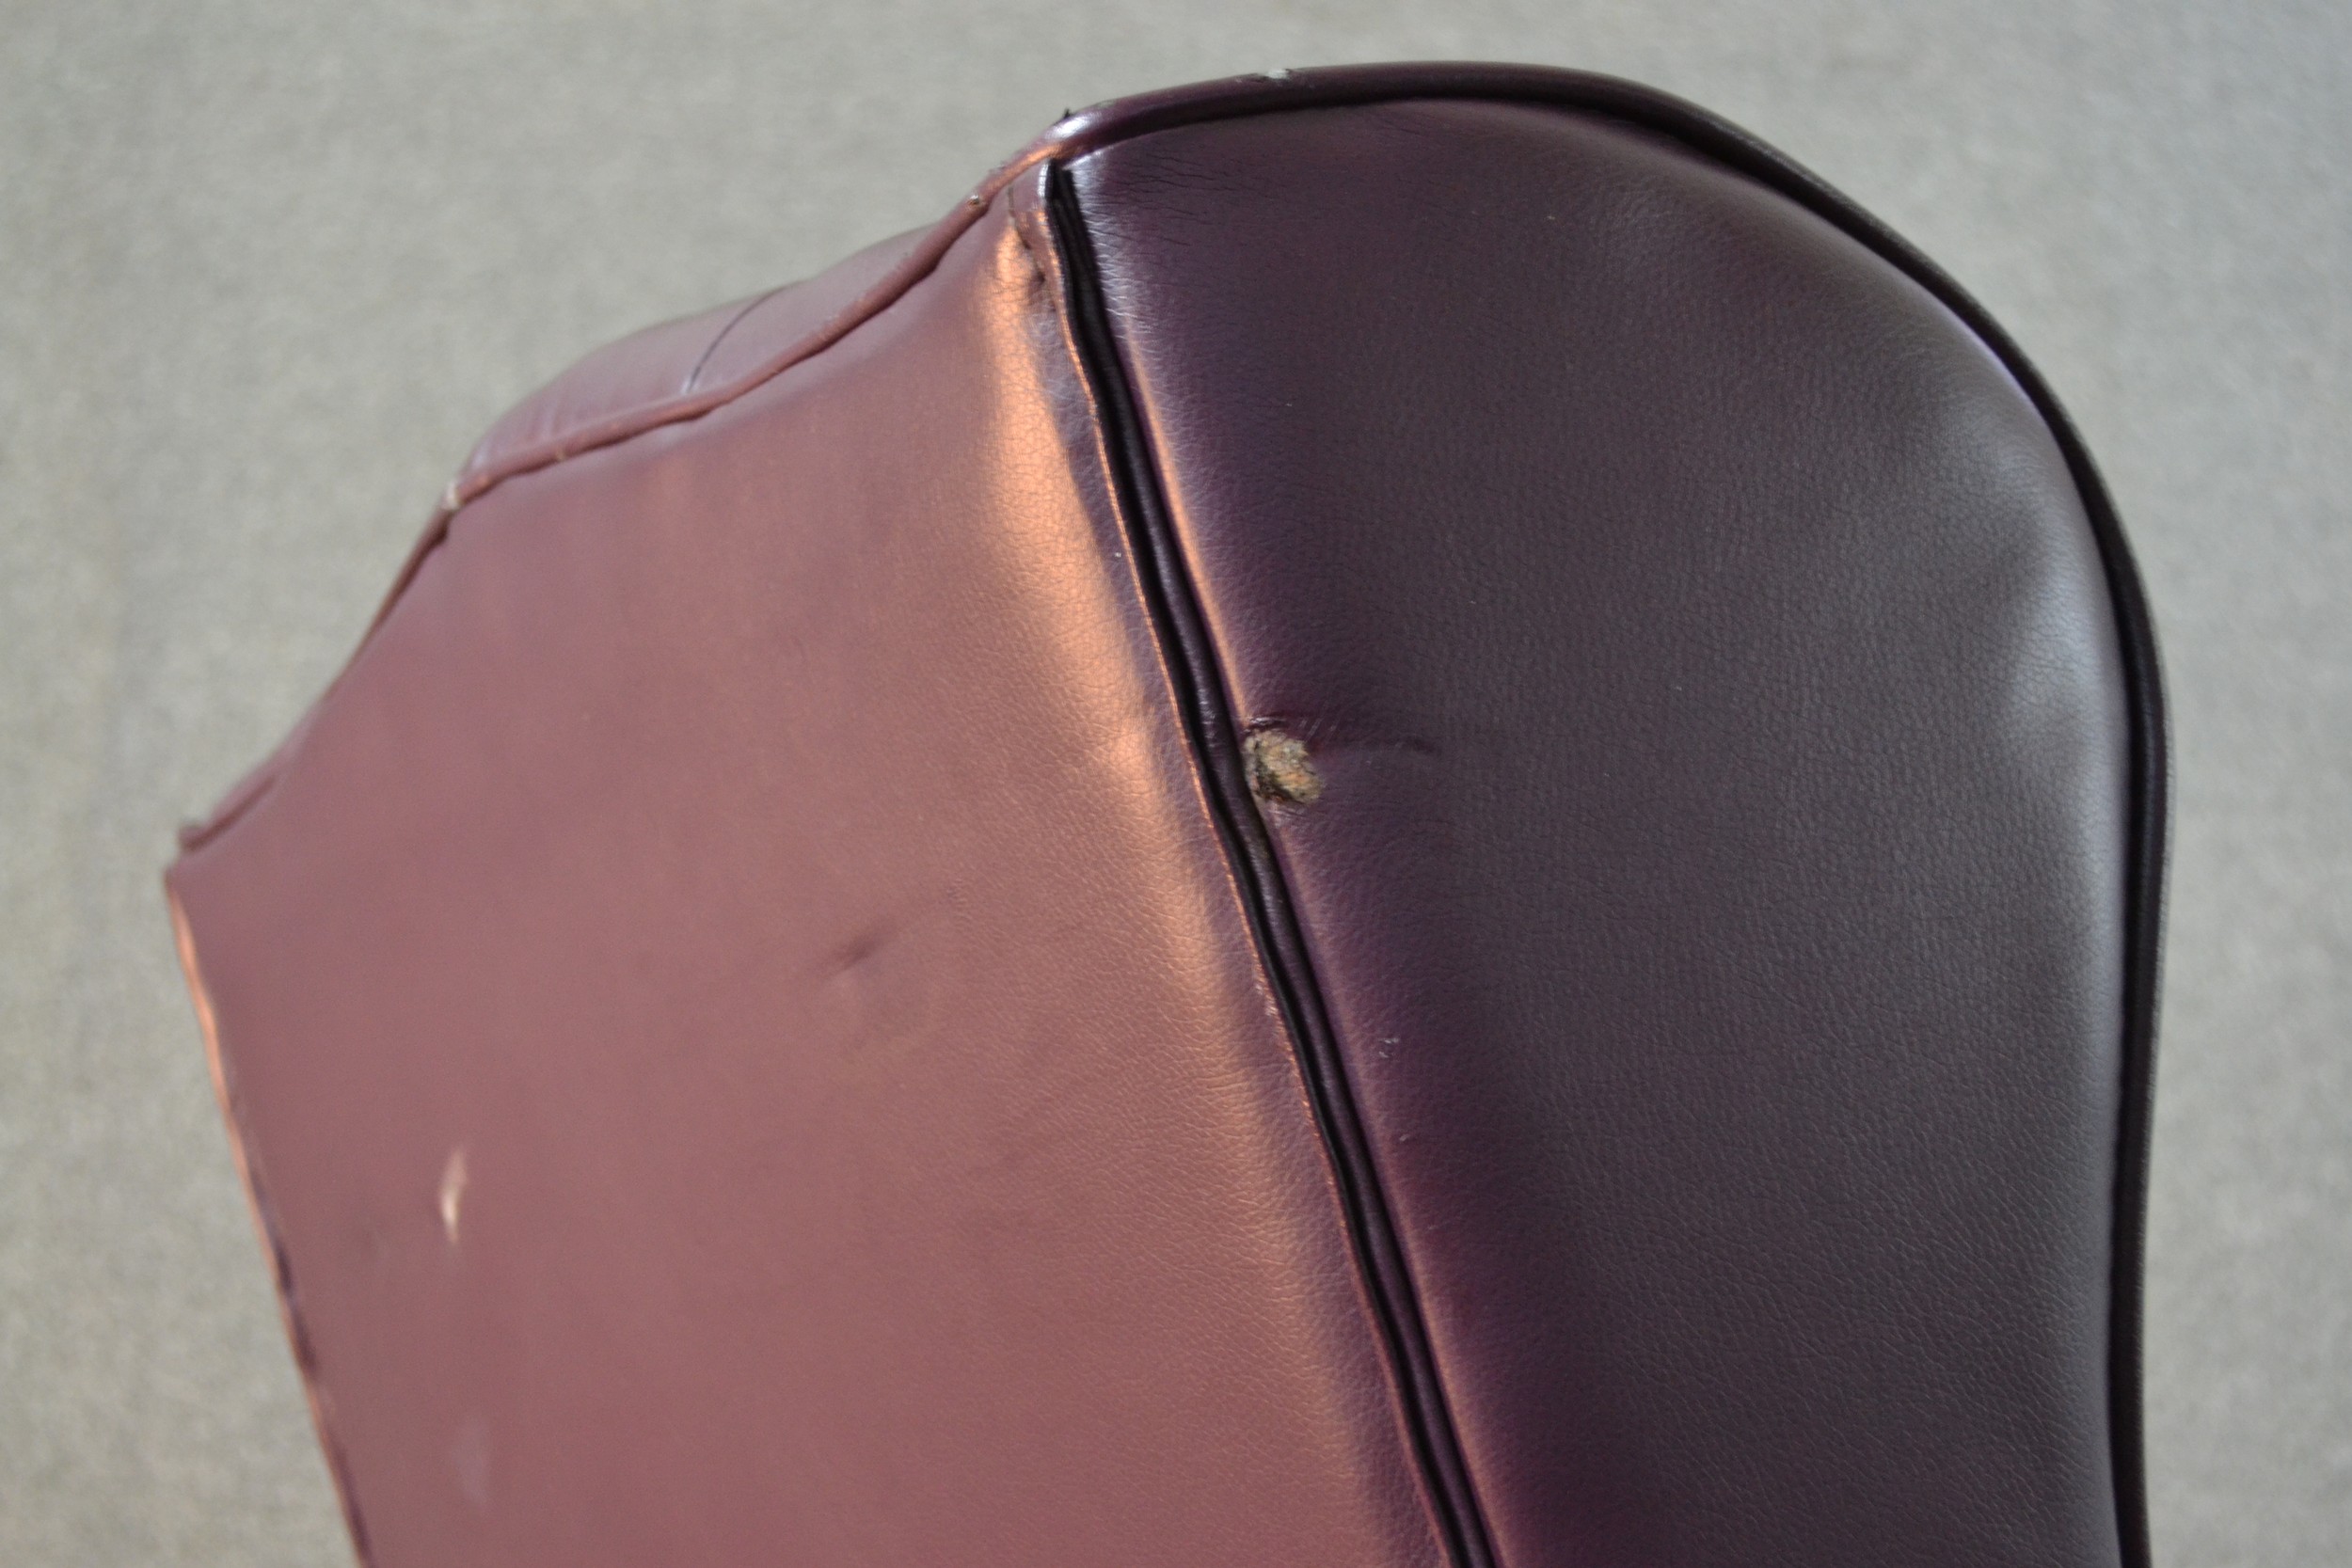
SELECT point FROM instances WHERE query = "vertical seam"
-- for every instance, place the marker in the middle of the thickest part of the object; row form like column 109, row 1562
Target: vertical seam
column 1205, row 709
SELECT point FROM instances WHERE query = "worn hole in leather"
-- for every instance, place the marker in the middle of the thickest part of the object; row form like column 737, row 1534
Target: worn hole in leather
column 1279, row 769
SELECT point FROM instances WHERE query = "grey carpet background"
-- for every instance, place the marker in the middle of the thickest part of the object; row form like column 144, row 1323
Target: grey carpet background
column 267, row 267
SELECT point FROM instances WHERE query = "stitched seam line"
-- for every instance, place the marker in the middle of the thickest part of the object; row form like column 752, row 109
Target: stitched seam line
column 1205, row 708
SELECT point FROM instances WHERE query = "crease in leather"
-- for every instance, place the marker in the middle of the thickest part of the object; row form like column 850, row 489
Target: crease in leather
column 1211, row 727
column 694, row 374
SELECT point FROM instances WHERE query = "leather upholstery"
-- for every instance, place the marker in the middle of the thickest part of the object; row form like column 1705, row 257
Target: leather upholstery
column 676, row 361
column 1406, row 815
column 1717, row 886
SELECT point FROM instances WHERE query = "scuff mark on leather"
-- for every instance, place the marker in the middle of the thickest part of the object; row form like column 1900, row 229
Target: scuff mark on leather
column 452, row 1193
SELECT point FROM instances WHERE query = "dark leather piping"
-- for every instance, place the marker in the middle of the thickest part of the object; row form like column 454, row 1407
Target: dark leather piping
column 1210, row 726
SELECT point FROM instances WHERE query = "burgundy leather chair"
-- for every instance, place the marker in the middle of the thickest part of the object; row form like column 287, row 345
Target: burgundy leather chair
column 1398, row 816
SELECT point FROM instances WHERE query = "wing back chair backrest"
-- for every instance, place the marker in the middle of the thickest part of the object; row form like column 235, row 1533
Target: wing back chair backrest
column 1398, row 816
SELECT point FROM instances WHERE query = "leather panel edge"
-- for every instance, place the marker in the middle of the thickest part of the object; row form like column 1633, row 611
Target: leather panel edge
column 1213, row 733
column 265, row 1228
